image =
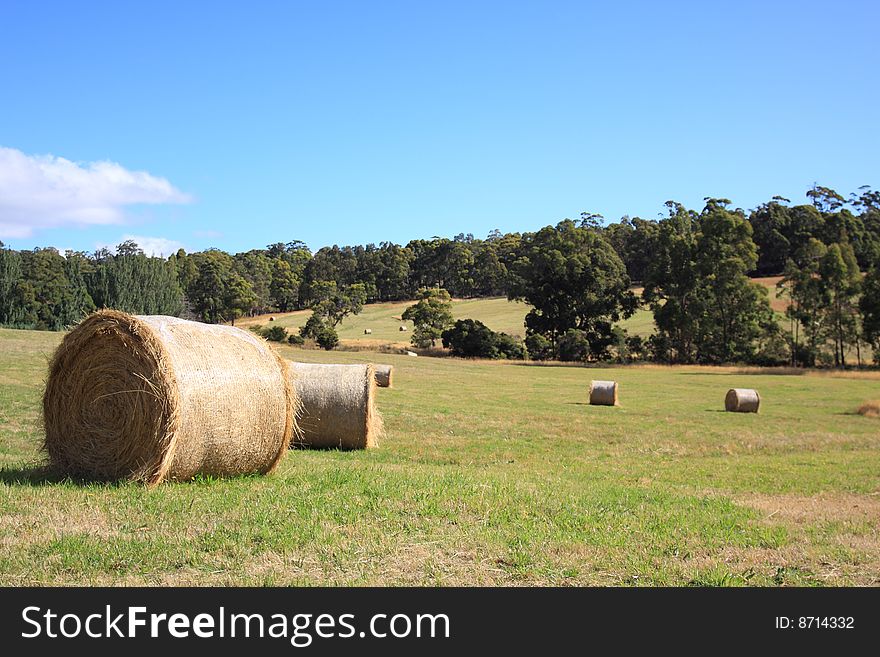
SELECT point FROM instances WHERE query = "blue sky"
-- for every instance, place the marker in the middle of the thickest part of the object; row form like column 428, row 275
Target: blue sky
column 239, row 124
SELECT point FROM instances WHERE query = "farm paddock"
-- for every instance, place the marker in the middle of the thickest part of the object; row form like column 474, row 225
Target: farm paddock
column 489, row 473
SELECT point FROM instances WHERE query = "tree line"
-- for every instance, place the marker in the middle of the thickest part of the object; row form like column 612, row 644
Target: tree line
column 577, row 275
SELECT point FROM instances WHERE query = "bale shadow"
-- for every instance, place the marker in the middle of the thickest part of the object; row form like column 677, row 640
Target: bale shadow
column 30, row 475
column 34, row 475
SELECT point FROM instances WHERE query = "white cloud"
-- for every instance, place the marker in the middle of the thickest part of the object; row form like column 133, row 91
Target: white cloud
column 44, row 191
column 152, row 246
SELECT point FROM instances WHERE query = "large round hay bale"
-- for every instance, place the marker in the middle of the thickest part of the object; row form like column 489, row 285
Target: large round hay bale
column 603, row 393
column 384, row 375
column 742, row 400
column 870, row 409
column 150, row 398
column 337, row 406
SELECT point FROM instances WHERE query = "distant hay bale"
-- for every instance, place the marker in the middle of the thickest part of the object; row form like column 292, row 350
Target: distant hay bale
column 742, row 400
column 603, row 393
column 870, row 409
column 411, row 353
column 338, row 406
column 368, row 331
column 151, row 398
column 271, row 319
column 402, row 328
column 383, row 375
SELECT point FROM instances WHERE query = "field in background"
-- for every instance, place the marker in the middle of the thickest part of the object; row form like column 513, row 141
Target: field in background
column 383, row 319
column 499, row 314
column 491, row 473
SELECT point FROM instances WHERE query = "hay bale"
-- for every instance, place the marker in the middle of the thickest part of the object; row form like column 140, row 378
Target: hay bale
column 368, row 331
column 383, row 375
column 338, row 406
column 271, row 319
column 870, row 409
column 152, row 398
column 603, row 393
column 411, row 353
column 742, row 400
column 402, row 328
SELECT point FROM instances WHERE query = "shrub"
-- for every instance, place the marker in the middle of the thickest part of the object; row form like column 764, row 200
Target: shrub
column 295, row 339
column 327, row 338
column 539, row 347
column 510, row 347
column 574, row 346
column 313, row 326
column 470, row 338
column 275, row 333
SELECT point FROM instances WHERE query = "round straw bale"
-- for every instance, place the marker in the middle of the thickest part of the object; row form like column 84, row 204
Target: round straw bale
column 742, row 400
column 603, row 393
column 402, row 327
column 383, row 375
column 151, row 398
column 338, row 406
column 870, row 409
column 368, row 331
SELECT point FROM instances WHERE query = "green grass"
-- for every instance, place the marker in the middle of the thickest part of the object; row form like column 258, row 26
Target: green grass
column 491, row 473
column 499, row 314
column 383, row 319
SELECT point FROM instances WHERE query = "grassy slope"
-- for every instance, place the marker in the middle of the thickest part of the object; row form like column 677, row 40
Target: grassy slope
column 496, row 313
column 493, row 473
column 383, row 319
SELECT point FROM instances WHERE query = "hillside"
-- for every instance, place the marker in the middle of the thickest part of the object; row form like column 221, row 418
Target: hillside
column 499, row 314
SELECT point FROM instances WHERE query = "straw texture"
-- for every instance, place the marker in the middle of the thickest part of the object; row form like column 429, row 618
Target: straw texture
column 603, row 393
column 742, row 400
column 384, row 374
column 151, row 398
column 338, row 406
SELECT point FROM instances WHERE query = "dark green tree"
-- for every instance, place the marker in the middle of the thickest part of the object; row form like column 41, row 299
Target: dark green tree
column 573, row 279
column 869, row 307
column 841, row 282
column 735, row 313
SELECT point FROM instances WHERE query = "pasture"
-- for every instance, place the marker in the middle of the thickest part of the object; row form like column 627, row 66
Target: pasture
column 491, row 473
column 383, row 319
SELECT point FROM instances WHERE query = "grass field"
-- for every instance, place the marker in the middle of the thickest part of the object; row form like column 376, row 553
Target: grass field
column 491, row 473
column 499, row 314
column 383, row 319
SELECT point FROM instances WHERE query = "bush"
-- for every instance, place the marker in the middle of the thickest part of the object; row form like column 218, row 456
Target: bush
column 275, row 333
column 539, row 347
column 574, row 346
column 510, row 347
column 313, row 326
column 295, row 339
column 470, row 338
column 327, row 338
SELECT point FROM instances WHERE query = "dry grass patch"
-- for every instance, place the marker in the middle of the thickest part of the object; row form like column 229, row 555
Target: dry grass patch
column 830, row 507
